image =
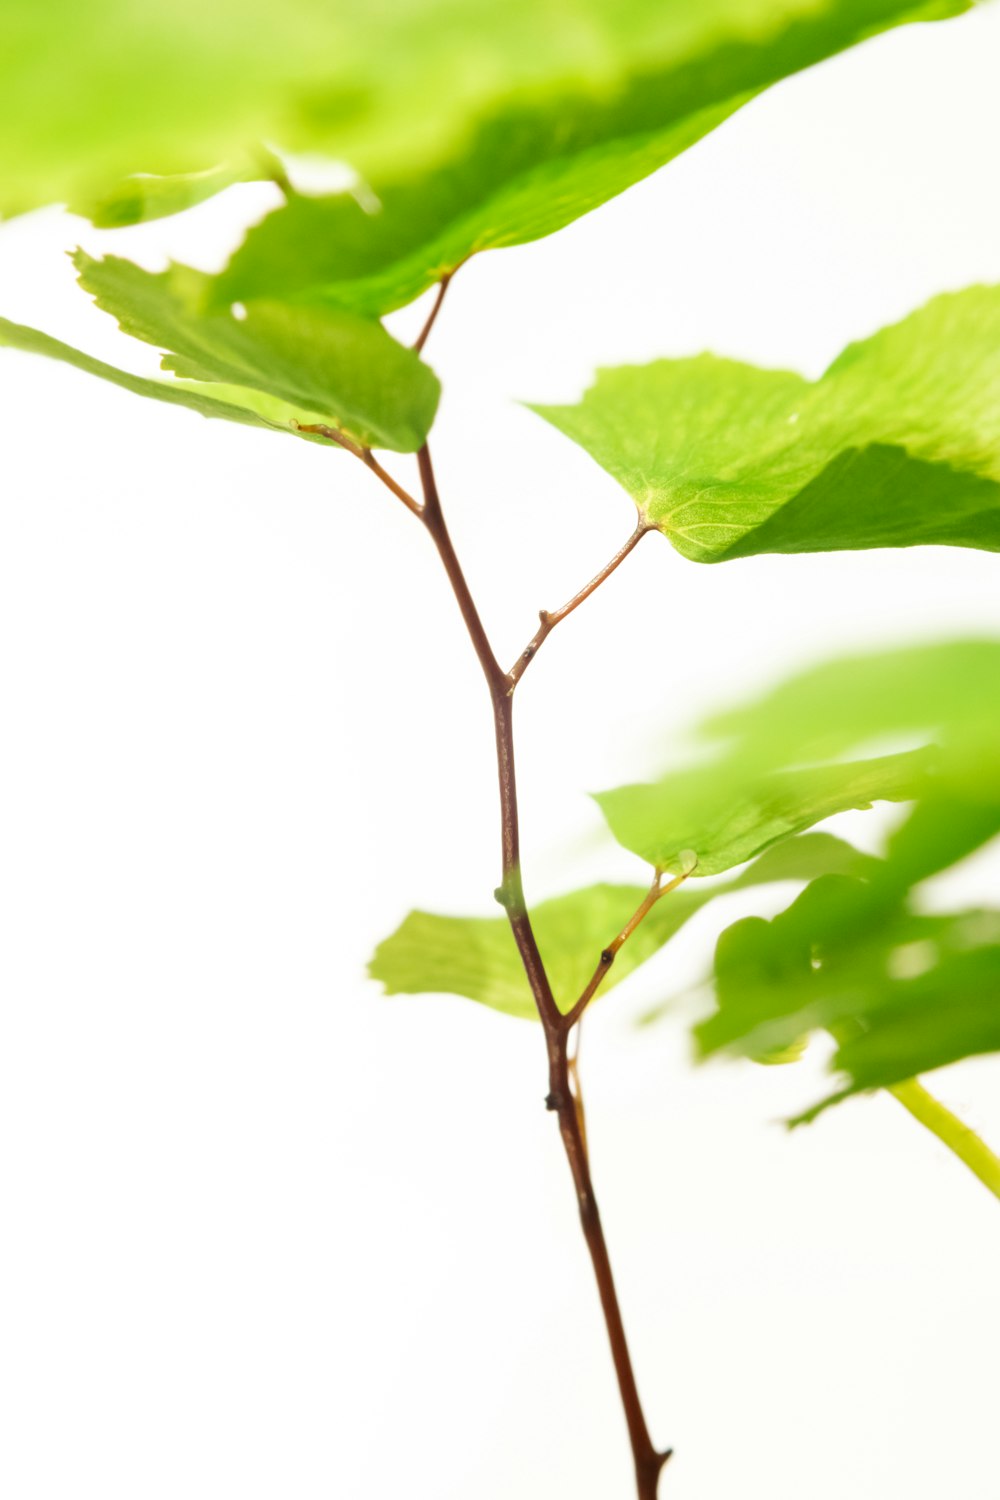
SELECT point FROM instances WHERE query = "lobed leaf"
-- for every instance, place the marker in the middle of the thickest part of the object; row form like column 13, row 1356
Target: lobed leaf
column 897, row 445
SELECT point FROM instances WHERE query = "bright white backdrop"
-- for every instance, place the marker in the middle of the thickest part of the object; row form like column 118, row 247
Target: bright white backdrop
column 269, row 1234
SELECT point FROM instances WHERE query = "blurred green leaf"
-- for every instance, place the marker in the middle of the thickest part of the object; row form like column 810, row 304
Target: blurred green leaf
column 897, row 445
column 477, row 957
column 777, row 763
column 946, row 689
column 903, row 993
column 321, row 359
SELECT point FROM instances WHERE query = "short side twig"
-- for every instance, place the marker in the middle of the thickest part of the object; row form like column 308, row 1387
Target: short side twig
column 367, row 457
column 656, row 892
column 549, row 619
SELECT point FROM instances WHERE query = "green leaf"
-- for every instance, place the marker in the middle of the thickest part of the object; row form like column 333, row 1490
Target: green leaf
column 324, row 359
column 234, row 405
column 572, row 107
column 947, row 689
column 897, row 445
column 767, row 768
column 902, row 993
column 477, row 957
column 725, row 819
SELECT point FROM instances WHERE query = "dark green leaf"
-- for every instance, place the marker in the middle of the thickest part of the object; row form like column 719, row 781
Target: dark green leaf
column 897, row 445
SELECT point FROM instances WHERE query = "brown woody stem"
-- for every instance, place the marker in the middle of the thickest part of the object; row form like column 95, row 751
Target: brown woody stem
column 563, row 1097
column 656, row 891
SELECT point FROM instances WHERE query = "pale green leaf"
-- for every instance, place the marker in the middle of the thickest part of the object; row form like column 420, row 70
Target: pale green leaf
column 897, row 445
column 323, row 359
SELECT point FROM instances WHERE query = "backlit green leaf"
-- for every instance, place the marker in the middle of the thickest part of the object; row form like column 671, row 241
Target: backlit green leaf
column 324, row 359
column 776, row 764
column 420, row 87
column 477, row 957
column 897, row 445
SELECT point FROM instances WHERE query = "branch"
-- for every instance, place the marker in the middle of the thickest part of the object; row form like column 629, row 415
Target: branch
column 510, row 892
column 655, row 893
column 366, row 456
column 549, row 621
column 564, row 1096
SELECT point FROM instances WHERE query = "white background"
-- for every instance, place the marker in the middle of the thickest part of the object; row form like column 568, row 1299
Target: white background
column 268, row 1234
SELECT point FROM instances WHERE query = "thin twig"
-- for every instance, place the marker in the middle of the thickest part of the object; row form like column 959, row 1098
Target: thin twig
column 443, row 286
column 655, row 893
column 550, row 619
column 366, row 456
